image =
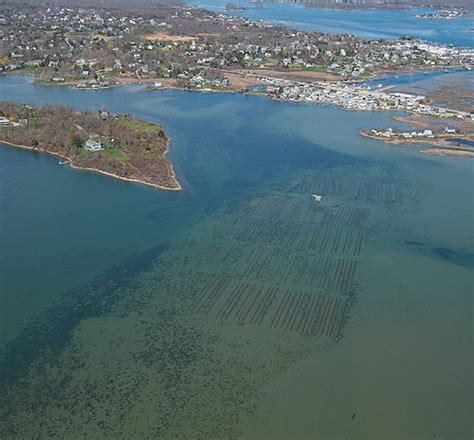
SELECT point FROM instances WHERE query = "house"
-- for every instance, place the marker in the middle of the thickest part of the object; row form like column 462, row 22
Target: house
column 92, row 145
column 428, row 133
column 4, row 122
column 450, row 130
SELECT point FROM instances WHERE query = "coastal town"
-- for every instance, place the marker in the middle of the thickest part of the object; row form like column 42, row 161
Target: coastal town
column 176, row 46
column 94, row 48
column 360, row 97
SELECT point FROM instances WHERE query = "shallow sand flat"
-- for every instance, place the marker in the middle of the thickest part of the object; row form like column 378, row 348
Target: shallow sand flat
column 447, row 152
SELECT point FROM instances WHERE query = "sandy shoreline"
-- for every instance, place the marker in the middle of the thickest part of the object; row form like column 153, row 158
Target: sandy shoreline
column 98, row 171
column 447, row 152
column 441, row 146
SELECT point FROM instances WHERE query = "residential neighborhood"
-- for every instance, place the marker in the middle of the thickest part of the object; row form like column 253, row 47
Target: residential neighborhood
column 94, row 47
column 359, row 97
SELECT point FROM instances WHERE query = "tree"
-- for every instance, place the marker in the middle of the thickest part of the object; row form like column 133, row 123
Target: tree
column 76, row 140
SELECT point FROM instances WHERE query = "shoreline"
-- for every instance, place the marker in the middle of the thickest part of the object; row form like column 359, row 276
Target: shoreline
column 98, row 171
column 304, row 76
column 437, row 150
column 381, row 74
column 443, row 152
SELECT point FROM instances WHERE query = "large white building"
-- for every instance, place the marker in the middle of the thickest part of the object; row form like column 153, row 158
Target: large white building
column 4, row 122
column 92, row 145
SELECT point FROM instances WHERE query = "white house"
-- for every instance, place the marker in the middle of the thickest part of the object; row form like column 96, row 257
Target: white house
column 92, row 145
column 4, row 122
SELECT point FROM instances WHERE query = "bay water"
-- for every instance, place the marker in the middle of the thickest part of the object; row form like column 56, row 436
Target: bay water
column 239, row 307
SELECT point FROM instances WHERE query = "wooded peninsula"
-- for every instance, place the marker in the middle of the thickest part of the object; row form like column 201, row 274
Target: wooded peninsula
column 116, row 145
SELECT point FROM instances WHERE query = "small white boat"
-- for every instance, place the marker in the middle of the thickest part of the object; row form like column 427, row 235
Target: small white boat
column 63, row 162
column 316, row 197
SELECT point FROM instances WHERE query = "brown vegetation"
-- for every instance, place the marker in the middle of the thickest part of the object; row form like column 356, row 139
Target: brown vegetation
column 295, row 75
column 132, row 150
column 163, row 36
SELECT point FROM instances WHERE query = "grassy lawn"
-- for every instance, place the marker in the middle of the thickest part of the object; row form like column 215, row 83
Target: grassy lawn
column 140, row 126
column 25, row 68
column 83, row 154
column 316, row 69
column 117, row 153
column 111, row 74
column 35, row 124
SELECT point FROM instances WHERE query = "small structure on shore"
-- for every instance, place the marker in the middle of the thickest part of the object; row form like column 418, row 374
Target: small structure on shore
column 316, row 197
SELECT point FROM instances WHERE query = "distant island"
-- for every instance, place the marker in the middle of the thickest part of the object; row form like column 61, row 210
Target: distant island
column 119, row 146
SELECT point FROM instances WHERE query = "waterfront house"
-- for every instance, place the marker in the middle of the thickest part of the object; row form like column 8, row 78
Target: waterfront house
column 4, row 122
column 92, row 145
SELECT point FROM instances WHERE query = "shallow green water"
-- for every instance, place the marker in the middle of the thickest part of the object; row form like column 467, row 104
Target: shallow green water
column 238, row 308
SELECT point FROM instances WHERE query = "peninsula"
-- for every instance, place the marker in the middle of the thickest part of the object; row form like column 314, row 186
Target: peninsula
column 448, row 142
column 119, row 146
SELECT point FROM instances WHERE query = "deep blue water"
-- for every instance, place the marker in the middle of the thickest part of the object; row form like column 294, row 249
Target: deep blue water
column 464, row 142
column 365, row 23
